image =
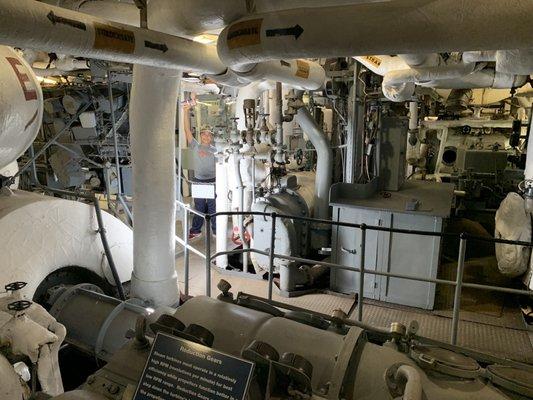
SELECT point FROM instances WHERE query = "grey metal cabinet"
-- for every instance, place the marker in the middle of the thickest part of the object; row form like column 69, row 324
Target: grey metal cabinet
column 347, row 242
column 412, row 255
column 396, row 253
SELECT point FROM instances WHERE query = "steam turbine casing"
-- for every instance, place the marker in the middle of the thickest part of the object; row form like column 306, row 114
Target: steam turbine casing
column 291, row 236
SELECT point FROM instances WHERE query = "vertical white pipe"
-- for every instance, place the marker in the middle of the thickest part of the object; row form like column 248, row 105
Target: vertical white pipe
column 324, row 164
column 154, row 98
column 222, row 203
column 529, row 158
column 413, row 115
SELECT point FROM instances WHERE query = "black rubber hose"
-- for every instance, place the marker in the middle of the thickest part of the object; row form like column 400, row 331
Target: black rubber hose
column 101, row 231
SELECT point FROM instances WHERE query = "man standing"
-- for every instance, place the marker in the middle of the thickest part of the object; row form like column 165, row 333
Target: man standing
column 204, row 171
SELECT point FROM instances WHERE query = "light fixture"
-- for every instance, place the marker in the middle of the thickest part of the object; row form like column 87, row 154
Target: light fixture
column 206, row 38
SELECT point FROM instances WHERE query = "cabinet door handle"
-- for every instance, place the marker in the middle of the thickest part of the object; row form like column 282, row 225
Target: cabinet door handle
column 344, row 249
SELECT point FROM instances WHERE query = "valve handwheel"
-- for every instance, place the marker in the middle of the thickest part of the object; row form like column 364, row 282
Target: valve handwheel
column 14, row 286
column 19, row 305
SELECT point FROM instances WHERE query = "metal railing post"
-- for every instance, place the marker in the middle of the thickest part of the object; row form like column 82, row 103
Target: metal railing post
column 208, row 255
column 271, row 256
column 361, row 273
column 458, row 288
column 186, row 249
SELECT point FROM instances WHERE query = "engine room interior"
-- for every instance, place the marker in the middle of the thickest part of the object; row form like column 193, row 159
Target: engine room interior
column 266, row 199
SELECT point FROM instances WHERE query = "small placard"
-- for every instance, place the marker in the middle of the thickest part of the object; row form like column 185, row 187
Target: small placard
column 203, row 190
column 181, row 370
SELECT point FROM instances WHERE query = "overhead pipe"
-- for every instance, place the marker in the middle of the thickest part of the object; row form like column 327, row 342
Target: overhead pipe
column 324, row 164
column 486, row 78
column 417, row 75
column 32, row 24
column 516, row 62
column 382, row 64
column 399, row 83
column 194, row 17
column 479, row 56
column 300, row 74
column 395, row 27
column 154, row 98
column 422, row 60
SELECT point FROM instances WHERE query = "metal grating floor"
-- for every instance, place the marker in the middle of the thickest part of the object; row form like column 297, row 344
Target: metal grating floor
column 491, row 339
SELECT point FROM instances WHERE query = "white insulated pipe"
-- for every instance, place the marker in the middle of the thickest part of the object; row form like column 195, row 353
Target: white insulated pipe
column 399, row 83
column 382, row 64
column 222, row 204
column 486, row 78
column 32, row 24
column 194, row 17
column 479, row 56
column 299, row 74
column 154, row 98
column 413, row 115
column 112, row 10
column 324, row 164
column 424, row 74
column 422, row 60
column 395, row 27
column 528, row 173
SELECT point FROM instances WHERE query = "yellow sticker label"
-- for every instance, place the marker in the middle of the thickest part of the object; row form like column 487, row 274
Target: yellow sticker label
column 107, row 37
column 245, row 33
column 302, row 69
column 376, row 61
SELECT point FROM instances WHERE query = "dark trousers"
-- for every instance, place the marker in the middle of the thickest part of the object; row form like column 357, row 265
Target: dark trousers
column 206, row 206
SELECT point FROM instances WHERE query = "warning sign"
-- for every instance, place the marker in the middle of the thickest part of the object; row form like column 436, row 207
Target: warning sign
column 302, row 69
column 245, row 33
column 376, row 61
column 107, row 37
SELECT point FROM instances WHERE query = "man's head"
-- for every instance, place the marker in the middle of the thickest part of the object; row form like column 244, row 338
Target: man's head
column 206, row 136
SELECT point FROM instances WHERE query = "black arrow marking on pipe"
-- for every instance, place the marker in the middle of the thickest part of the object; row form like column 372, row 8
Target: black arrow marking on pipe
column 156, row 46
column 56, row 19
column 295, row 31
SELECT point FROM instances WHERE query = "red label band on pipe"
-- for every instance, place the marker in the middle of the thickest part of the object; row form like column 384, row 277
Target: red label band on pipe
column 245, row 33
column 24, row 79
